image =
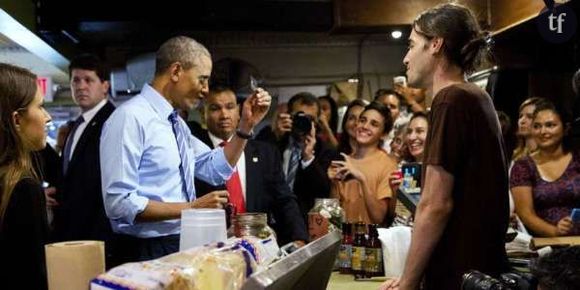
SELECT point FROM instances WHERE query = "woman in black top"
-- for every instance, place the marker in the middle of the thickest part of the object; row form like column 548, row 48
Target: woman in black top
column 23, row 222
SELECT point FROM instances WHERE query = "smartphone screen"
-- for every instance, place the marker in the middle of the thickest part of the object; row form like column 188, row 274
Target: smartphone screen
column 411, row 177
column 575, row 215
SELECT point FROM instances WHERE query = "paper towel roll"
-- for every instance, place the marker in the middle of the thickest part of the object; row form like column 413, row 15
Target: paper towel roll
column 71, row 265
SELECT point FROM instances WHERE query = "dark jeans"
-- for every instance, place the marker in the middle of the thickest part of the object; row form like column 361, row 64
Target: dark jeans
column 126, row 249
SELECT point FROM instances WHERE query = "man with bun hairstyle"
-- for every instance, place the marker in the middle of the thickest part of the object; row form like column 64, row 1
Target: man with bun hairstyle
column 462, row 217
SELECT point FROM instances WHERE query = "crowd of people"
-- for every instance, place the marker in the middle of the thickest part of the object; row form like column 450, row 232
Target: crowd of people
column 125, row 173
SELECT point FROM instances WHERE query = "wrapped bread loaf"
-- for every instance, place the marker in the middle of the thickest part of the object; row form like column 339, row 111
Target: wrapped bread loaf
column 216, row 266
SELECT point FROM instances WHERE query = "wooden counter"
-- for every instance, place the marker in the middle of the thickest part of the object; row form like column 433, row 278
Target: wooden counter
column 346, row 282
column 539, row 242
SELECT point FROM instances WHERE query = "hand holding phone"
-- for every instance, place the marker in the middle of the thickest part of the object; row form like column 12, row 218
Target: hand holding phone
column 337, row 166
column 399, row 81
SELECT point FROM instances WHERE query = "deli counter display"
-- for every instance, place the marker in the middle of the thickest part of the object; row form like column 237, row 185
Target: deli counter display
column 239, row 263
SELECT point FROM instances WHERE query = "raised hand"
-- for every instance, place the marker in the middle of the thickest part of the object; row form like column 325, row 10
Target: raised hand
column 309, row 143
column 283, row 124
column 254, row 109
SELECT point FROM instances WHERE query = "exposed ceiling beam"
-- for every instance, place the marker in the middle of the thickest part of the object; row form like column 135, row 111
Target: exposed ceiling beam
column 507, row 14
column 22, row 36
column 23, row 11
column 373, row 16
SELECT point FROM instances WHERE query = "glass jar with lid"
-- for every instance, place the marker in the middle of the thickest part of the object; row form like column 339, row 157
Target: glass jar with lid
column 251, row 224
column 324, row 217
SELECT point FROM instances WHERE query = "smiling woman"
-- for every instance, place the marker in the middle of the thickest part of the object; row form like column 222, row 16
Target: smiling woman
column 23, row 223
column 545, row 184
column 416, row 136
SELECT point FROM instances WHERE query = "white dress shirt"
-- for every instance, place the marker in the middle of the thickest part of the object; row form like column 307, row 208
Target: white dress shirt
column 88, row 116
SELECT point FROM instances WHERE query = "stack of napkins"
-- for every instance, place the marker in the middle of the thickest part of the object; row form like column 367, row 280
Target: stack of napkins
column 519, row 246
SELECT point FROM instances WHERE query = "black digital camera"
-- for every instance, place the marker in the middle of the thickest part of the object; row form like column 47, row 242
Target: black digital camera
column 301, row 125
column 475, row 280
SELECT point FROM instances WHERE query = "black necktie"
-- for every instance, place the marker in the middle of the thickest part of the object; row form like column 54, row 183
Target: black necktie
column 69, row 142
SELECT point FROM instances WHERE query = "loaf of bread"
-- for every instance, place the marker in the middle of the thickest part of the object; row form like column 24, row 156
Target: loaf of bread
column 216, row 266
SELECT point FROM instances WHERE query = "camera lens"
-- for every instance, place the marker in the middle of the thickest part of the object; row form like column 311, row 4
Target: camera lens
column 519, row 281
column 475, row 280
column 301, row 124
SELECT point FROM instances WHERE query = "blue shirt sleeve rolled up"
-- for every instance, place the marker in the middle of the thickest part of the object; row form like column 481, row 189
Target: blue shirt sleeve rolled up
column 140, row 162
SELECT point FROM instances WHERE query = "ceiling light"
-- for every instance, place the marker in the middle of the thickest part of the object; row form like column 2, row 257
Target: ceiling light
column 396, row 34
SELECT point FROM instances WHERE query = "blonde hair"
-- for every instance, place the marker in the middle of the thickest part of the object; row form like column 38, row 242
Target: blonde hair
column 521, row 149
column 17, row 90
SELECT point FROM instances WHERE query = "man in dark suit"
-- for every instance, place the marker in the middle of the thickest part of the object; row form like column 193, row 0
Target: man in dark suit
column 305, row 158
column 261, row 186
column 80, row 214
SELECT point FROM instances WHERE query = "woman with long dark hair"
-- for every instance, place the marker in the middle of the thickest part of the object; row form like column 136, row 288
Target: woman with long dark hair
column 347, row 140
column 328, row 121
column 23, row 221
column 544, row 184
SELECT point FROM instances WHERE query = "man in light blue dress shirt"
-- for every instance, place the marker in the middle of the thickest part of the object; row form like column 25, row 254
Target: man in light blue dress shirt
column 145, row 184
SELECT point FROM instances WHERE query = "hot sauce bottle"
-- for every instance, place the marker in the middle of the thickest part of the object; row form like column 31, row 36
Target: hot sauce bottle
column 345, row 252
column 358, row 250
column 373, row 264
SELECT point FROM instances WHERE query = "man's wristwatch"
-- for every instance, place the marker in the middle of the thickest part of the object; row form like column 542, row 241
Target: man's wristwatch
column 244, row 135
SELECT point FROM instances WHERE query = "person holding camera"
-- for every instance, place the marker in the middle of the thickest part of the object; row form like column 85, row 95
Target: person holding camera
column 305, row 158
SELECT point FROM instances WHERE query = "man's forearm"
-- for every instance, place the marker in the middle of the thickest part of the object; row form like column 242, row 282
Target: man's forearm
column 233, row 150
column 431, row 218
column 430, row 222
column 160, row 211
column 539, row 226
